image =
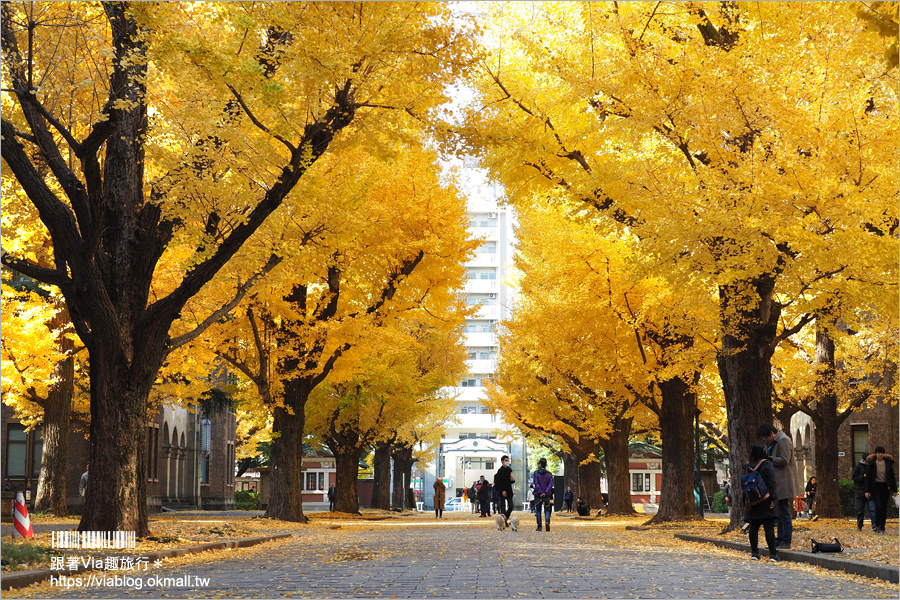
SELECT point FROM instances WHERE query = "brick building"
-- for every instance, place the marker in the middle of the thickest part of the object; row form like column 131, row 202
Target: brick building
column 858, row 436
column 190, row 460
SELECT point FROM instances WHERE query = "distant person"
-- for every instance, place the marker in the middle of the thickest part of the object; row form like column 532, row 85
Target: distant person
column 440, row 496
column 763, row 513
column 726, row 486
column 582, row 508
column 83, row 484
column 569, row 498
column 781, row 453
column 473, row 495
column 543, row 493
column 859, row 483
column 810, row 497
column 484, row 497
column 331, row 495
column 503, row 480
column 881, row 484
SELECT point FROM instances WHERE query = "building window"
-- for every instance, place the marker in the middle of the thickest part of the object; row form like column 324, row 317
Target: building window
column 314, row 481
column 20, row 462
column 153, row 453
column 640, row 482
column 469, row 383
column 229, row 465
column 860, row 441
column 489, row 275
column 467, row 410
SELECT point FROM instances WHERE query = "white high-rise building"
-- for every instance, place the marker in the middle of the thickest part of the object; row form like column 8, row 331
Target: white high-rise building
column 473, row 445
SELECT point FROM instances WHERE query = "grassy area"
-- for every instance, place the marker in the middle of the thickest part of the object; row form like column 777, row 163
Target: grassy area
column 20, row 554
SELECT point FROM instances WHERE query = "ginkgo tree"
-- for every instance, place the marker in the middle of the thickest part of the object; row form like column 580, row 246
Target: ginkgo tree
column 751, row 148
column 189, row 124
column 44, row 381
column 380, row 240
column 592, row 314
column 398, row 386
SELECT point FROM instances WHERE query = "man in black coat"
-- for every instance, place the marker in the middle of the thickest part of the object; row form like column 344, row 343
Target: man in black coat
column 503, row 481
column 881, row 484
column 859, row 481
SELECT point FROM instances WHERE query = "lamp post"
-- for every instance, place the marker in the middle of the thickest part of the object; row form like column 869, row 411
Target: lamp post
column 698, row 484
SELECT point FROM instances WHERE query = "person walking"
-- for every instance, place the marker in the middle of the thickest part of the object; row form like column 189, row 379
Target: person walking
column 484, row 497
column 83, row 484
column 859, row 483
column 473, row 494
column 781, row 453
column 331, row 495
column 503, row 480
column 810, row 497
column 568, row 498
column 727, row 490
column 881, row 484
column 440, row 496
column 543, row 493
column 763, row 514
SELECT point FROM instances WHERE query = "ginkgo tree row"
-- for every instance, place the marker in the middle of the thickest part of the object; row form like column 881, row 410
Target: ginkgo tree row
column 149, row 143
column 748, row 149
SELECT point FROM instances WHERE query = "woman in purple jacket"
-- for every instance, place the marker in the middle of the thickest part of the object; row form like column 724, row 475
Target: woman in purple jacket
column 543, row 493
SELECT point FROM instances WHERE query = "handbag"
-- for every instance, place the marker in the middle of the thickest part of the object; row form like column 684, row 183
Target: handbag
column 829, row 547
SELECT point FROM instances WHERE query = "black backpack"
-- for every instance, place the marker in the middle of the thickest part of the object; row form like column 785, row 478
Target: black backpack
column 752, row 484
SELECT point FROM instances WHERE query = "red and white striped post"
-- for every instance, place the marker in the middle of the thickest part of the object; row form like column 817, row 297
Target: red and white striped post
column 22, row 523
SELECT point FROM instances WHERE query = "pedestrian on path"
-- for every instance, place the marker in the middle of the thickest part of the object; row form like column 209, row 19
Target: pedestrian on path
column 543, row 493
column 810, row 496
column 859, row 482
column 727, row 489
column 484, row 497
column 440, row 496
column 568, row 498
column 763, row 513
column 473, row 494
column 331, row 496
column 503, row 481
column 781, row 453
column 881, row 484
column 83, row 484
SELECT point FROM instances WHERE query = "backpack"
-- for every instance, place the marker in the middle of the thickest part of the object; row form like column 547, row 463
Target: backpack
column 752, row 484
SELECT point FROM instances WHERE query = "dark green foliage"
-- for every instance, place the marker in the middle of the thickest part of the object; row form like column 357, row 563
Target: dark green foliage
column 246, row 500
column 718, row 502
column 25, row 554
column 847, row 491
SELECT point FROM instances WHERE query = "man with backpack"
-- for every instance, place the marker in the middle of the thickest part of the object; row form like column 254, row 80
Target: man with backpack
column 781, row 453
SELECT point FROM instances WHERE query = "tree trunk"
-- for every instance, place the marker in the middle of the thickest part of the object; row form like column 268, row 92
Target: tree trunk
column 346, row 458
column 745, row 367
column 403, row 464
column 587, row 485
column 615, row 447
column 285, row 495
column 381, row 470
column 51, row 488
column 116, row 496
column 826, row 421
column 676, row 424
column 570, row 471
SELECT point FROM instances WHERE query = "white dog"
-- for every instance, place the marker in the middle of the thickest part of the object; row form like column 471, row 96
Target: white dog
column 501, row 522
column 514, row 523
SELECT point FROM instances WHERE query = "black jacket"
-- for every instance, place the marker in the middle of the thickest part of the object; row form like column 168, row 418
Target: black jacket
column 485, row 492
column 765, row 509
column 859, row 475
column 890, row 477
column 503, row 480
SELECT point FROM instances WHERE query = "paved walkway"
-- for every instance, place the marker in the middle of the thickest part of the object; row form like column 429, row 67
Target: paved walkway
column 468, row 558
